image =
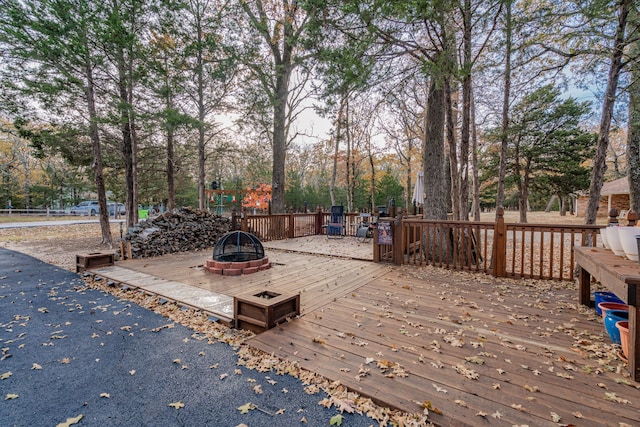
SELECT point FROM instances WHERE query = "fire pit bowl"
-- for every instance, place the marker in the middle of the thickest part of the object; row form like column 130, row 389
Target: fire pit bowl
column 236, row 253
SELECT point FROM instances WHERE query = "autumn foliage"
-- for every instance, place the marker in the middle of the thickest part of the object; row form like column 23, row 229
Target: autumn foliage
column 257, row 197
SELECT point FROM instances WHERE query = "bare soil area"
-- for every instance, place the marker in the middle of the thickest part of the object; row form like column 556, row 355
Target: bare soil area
column 57, row 245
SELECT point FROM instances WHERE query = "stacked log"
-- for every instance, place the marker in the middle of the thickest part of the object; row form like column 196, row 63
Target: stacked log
column 180, row 230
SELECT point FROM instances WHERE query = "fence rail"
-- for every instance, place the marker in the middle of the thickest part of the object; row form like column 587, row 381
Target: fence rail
column 535, row 251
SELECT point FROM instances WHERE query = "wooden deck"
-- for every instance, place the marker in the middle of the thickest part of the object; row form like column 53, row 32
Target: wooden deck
column 482, row 351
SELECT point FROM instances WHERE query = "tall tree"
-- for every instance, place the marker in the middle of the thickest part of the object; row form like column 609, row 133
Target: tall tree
column 50, row 50
column 633, row 134
column 508, row 28
column 615, row 68
column 280, row 26
column 546, row 140
column 212, row 67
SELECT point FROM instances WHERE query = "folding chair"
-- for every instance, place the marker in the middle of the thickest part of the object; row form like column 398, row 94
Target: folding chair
column 336, row 226
column 364, row 232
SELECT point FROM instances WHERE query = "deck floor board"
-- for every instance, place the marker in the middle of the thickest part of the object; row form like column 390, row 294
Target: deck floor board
column 537, row 347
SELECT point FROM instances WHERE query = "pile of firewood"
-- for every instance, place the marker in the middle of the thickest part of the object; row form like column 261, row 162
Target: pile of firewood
column 180, row 230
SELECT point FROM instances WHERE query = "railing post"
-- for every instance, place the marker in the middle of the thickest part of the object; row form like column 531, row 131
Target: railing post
column 292, row 225
column 244, row 225
column 376, row 246
column 318, row 222
column 234, row 219
column 398, row 241
column 499, row 245
column 632, row 218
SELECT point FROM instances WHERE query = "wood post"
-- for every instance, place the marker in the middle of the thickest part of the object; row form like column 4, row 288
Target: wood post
column 244, row 225
column 319, row 217
column 398, row 240
column 292, row 226
column 613, row 216
column 499, row 245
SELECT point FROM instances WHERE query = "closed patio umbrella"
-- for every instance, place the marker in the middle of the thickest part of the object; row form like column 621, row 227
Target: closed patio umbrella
column 418, row 190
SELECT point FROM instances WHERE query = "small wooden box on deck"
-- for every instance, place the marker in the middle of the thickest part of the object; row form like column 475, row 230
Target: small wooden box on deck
column 90, row 260
column 264, row 310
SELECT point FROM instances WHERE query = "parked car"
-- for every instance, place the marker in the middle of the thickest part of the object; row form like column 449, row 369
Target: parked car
column 88, row 207
column 112, row 209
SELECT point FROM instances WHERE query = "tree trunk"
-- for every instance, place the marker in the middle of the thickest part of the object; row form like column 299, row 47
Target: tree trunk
column 105, row 228
column 453, row 153
column 202, row 202
column 550, row 204
column 599, row 162
column 348, row 162
column 171, row 191
column 466, row 114
column 474, row 160
column 125, row 129
column 505, row 105
column 372, row 182
column 283, row 71
column 435, row 204
column 633, row 134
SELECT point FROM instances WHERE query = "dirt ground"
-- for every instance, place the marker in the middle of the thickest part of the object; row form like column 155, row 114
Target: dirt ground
column 58, row 245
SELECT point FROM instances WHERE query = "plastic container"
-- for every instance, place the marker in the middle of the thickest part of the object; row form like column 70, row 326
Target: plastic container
column 606, row 306
column 614, row 240
column 628, row 241
column 603, row 234
column 602, row 296
column 610, row 320
column 623, row 329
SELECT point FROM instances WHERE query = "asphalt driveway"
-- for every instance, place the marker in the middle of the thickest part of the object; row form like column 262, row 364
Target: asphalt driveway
column 68, row 351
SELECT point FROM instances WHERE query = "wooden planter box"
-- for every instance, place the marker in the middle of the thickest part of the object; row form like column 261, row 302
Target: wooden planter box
column 264, row 310
column 94, row 259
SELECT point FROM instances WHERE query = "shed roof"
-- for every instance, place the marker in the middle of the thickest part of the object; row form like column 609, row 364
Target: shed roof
column 618, row 186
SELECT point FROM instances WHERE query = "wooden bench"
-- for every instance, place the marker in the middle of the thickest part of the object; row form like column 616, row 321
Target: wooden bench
column 621, row 277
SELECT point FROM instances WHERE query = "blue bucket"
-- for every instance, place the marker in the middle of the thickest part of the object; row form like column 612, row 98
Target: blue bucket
column 610, row 320
column 605, row 297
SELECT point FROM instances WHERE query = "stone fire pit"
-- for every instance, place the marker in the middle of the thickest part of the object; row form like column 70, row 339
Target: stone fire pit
column 236, row 253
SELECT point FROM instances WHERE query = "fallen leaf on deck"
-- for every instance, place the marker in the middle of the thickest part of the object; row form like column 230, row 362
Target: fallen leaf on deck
column 612, row 397
column 106, row 395
column 439, row 389
column 176, row 405
column 11, row 396
column 257, row 389
column 6, row 375
column 555, row 417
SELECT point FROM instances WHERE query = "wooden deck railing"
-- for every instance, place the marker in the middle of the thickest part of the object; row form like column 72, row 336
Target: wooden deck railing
column 535, row 251
column 291, row 225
